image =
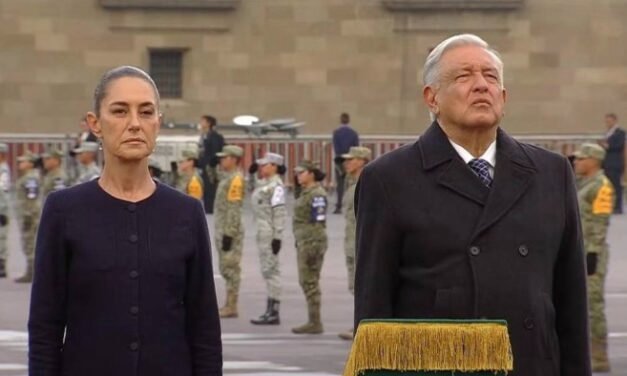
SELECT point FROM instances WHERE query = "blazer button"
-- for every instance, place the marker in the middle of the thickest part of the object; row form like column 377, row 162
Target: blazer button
column 474, row 250
column 131, row 207
column 523, row 250
column 133, row 238
column 133, row 274
column 134, row 310
column 529, row 323
column 134, row 346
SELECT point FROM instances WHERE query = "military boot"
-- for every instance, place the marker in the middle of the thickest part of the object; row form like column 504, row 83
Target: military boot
column 314, row 326
column 271, row 317
column 3, row 269
column 28, row 275
column 230, row 308
column 598, row 350
column 347, row 335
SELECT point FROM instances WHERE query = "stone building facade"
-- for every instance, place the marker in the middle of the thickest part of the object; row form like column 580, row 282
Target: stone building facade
column 565, row 60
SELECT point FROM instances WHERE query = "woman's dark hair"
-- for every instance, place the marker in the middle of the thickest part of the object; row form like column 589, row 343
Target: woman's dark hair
column 281, row 169
column 123, row 71
column 211, row 120
column 318, row 175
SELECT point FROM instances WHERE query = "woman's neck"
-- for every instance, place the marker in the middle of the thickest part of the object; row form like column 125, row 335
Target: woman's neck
column 129, row 181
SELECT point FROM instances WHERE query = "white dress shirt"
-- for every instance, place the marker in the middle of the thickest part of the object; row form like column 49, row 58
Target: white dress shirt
column 489, row 155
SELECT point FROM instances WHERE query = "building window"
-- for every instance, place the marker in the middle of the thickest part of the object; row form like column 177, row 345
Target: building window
column 170, row 4
column 431, row 5
column 166, row 68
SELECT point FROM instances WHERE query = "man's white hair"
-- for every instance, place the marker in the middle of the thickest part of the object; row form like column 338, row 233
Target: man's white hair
column 430, row 75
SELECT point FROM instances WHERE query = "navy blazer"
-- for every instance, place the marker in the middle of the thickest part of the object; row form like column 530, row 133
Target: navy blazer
column 615, row 153
column 123, row 288
column 434, row 242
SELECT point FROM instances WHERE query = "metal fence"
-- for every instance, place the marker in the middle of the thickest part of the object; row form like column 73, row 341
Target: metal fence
column 317, row 148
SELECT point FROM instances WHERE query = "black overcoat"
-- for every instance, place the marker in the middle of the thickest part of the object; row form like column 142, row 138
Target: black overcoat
column 123, row 289
column 434, row 242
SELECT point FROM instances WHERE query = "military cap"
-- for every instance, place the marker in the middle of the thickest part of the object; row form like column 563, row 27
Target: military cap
column 154, row 163
column 359, row 152
column 273, row 158
column 87, row 146
column 231, row 150
column 189, row 153
column 306, row 165
column 4, row 148
column 27, row 156
column 53, row 153
column 589, row 150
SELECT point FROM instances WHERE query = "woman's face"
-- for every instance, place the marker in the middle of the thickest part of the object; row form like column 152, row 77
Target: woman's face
column 129, row 119
column 267, row 170
column 305, row 177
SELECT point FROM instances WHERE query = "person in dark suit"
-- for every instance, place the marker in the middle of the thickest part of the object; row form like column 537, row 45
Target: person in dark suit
column 614, row 163
column 344, row 137
column 123, row 279
column 468, row 223
column 211, row 142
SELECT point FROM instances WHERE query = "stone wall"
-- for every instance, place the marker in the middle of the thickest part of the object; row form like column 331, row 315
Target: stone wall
column 565, row 61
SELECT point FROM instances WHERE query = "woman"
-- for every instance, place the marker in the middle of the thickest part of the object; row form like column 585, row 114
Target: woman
column 123, row 278
column 309, row 225
column 268, row 202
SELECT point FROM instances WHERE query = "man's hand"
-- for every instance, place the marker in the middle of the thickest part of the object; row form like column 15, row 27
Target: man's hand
column 591, row 263
column 276, row 246
column 227, row 242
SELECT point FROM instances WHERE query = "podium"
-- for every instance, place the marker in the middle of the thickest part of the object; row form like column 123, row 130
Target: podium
column 397, row 347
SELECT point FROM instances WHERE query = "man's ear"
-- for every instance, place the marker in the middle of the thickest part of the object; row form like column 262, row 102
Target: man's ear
column 429, row 96
column 93, row 124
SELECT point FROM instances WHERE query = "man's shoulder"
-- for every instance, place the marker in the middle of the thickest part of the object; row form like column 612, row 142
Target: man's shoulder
column 388, row 163
column 540, row 156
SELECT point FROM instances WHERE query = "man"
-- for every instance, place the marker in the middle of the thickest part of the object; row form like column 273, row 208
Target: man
column 614, row 163
column 211, row 142
column 468, row 223
column 28, row 192
column 86, row 156
column 344, row 137
column 596, row 203
column 354, row 162
column 5, row 181
column 189, row 180
column 55, row 178
column 229, row 233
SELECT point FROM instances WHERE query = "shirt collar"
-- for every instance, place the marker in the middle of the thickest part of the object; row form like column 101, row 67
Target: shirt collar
column 612, row 130
column 489, row 155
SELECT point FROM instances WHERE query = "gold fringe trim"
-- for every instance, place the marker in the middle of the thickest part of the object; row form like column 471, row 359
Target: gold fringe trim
column 425, row 346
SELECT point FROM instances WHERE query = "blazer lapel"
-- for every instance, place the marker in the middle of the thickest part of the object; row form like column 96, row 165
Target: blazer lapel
column 512, row 176
column 437, row 152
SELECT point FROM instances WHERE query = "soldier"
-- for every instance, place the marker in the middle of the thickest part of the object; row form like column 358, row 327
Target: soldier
column 354, row 163
column 189, row 180
column 86, row 156
column 309, row 225
column 229, row 234
column 155, row 169
column 55, row 178
column 268, row 203
column 596, row 202
column 5, row 181
column 28, row 190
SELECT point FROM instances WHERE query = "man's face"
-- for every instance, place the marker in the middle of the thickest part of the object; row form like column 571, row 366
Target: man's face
column 129, row 119
column 469, row 92
column 186, row 165
column 50, row 163
column 610, row 122
column 204, row 125
column 86, row 157
column 25, row 166
column 228, row 163
column 585, row 166
column 353, row 164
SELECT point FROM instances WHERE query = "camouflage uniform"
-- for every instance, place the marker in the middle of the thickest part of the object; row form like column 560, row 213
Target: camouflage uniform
column 309, row 225
column 88, row 173
column 5, row 181
column 268, row 203
column 28, row 192
column 349, row 230
column 56, row 179
column 596, row 202
column 191, row 185
column 227, row 210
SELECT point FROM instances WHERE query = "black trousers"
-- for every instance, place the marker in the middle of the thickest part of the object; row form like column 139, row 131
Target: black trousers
column 615, row 177
column 340, row 177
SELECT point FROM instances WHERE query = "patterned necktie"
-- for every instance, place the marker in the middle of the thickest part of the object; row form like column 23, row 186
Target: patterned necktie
column 481, row 168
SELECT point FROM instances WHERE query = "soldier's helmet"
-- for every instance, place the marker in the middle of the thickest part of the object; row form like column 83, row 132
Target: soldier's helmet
column 231, row 150
column 358, row 152
column 590, row 150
